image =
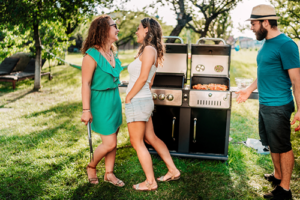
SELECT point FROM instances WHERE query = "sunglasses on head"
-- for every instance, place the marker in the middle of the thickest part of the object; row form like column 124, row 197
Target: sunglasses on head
column 115, row 25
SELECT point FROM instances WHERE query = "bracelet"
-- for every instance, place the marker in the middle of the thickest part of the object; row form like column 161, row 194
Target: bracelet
column 86, row 111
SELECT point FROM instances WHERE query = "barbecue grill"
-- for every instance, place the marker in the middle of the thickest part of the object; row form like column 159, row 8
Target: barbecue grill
column 210, row 110
column 193, row 123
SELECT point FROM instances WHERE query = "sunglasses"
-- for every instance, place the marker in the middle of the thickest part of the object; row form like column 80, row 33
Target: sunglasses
column 114, row 25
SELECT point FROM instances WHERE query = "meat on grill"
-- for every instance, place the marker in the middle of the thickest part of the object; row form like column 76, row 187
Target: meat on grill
column 210, row 86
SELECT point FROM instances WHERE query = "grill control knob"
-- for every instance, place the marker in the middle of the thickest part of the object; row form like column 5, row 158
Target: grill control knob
column 170, row 97
column 161, row 97
column 200, row 68
column 154, row 96
column 210, row 94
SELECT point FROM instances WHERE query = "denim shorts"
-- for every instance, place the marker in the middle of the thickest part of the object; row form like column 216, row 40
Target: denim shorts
column 139, row 109
column 275, row 127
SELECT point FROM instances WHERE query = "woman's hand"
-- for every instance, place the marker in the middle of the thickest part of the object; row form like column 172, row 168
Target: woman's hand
column 86, row 117
column 127, row 100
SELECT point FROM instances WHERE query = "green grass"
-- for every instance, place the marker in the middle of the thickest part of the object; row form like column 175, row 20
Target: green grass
column 44, row 147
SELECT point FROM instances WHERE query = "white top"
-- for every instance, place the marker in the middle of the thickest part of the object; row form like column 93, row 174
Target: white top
column 134, row 70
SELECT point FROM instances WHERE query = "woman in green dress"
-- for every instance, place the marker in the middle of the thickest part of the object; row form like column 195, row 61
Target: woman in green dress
column 100, row 94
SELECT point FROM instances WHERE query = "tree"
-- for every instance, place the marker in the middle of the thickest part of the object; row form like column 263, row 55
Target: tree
column 221, row 27
column 128, row 21
column 13, row 40
column 289, row 12
column 183, row 17
column 212, row 11
column 32, row 14
column 214, row 14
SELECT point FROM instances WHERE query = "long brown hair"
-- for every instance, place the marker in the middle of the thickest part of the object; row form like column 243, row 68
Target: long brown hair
column 153, row 38
column 98, row 34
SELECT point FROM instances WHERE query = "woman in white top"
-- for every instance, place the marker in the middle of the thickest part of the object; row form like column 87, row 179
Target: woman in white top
column 139, row 104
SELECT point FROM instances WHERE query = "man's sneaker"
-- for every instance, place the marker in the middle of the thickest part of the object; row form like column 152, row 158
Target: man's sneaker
column 279, row 194
column 271, row 178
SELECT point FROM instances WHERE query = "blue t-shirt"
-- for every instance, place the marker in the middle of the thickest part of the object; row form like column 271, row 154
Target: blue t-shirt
column 275, row 57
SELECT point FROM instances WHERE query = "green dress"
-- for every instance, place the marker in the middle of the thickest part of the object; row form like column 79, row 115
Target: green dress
column 106, row 105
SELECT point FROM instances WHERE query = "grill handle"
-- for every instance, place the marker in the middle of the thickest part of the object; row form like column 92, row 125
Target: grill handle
column 174, row 37
column 214, row 39
column 195, row 124
column 173, row 128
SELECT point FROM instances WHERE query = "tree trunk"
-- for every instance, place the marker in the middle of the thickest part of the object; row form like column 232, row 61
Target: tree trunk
column 175, row 32
column 38, row 58
column 207, row 23
column 182, row 20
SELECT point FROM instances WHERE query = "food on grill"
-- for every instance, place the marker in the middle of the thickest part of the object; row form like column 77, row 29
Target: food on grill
column 219, row 68
column 210, row 86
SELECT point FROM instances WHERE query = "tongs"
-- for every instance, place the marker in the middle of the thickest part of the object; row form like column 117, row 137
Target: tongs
column 90, row 140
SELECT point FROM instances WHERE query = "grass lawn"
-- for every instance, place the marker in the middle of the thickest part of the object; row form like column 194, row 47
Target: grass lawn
column 44, row 147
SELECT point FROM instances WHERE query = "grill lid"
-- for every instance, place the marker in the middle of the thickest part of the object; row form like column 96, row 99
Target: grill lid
column 175, row 58
column 210, row 60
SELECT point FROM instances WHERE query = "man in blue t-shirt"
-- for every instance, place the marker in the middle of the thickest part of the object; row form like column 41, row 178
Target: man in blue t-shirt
column 278, row 69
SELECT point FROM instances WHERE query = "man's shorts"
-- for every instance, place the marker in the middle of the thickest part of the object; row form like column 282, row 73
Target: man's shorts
column 275, row 127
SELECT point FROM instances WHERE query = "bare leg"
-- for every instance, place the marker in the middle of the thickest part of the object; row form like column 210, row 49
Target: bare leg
column 137, row 132
column 110, row 163
column 161, row 149
column 287, row 165
column 109, row 143
column 276, row 163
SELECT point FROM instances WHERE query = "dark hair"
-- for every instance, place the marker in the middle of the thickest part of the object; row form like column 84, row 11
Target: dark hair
column 98, row 34
column 153, row 38
column 272, row 22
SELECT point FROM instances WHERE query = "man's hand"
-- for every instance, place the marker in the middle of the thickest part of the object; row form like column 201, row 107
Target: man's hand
column 296, row 118
column 243, row 95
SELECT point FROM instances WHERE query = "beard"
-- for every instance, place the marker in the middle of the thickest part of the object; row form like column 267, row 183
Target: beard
column 261, row 33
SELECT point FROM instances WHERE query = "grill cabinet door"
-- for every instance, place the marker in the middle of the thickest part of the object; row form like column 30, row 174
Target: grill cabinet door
column 166, row 125
column 210, row 131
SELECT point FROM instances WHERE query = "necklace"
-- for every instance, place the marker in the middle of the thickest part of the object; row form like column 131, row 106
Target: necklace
column 109, row 54
column 109, row 57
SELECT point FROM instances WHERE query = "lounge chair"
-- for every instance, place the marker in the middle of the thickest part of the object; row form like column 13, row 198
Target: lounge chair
column 7, row 65
column 27, row 73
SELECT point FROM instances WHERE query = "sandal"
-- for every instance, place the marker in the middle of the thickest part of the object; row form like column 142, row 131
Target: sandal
column 118, row 183
column 172, row 178
column 148, row 185
column 91, row 179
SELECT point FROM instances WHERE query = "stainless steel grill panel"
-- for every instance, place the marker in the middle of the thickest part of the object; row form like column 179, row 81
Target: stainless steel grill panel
column 174, row 63
column 209, row 99
column 167, row 97
column 206, row 65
